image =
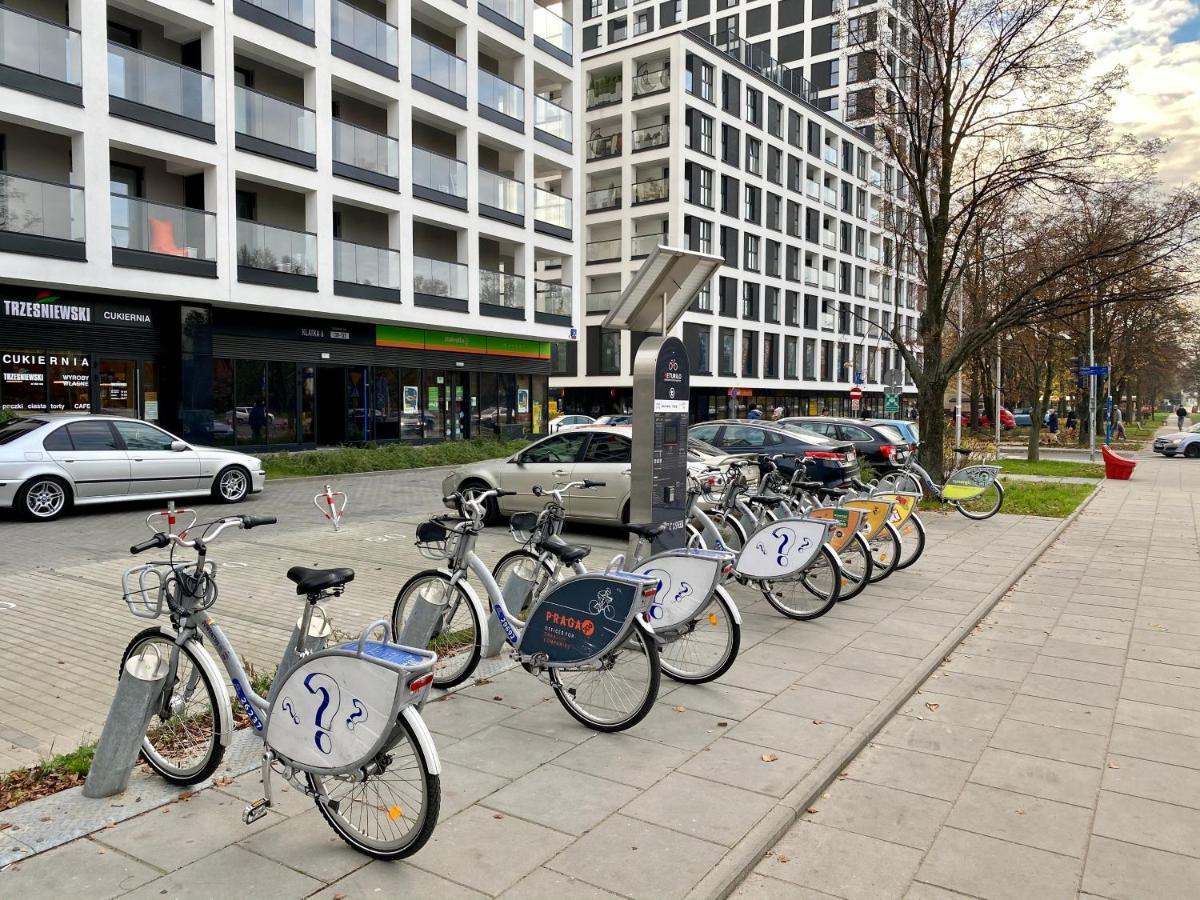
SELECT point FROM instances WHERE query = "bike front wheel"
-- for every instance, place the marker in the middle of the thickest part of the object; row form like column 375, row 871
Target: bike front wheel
column 388, row 809
column 618, row 690
column 885, row 552
column 899, row 482
column 184, row 745
column 912, row 541
column 440, row 617
column 810, row 594
column 983, row 506
column 857, row 567
column 732, row 532
column 707, row 647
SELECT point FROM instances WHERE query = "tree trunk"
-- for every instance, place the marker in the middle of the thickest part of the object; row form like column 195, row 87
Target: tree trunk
column 930, row 400
column 1041, row 397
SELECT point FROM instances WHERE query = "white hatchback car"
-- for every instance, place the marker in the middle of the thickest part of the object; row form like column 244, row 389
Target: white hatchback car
column 50, row 463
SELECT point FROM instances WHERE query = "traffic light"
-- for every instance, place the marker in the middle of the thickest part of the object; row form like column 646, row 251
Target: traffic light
column 1076, row 365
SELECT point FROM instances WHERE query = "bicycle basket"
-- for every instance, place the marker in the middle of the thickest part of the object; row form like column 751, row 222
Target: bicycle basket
column 712, row 486
column 162, row 582
column 522, row 525
column 436, row 541
column 146, row 599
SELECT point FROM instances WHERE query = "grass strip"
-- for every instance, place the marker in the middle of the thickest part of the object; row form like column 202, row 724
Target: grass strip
column 1056, row 468
column 344, row 460
column 1043, row 498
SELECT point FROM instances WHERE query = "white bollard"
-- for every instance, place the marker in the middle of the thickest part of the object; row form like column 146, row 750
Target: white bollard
column 138, row 693
column 327, row 504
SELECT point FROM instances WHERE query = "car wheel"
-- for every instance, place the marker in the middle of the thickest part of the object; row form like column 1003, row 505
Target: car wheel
column 232, row 485
column 625, row 513
column 1191, row 451
column 492, row 514
column 43, row 499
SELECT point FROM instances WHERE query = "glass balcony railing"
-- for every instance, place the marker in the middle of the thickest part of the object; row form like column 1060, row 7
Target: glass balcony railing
column 652, row 82
column 873, row 254
column 651, row 136
column 502, row 96
column 644, row 244
column 553, row 298
column 435, row 65
column 39, row 46
column 551, row 208
column 601, row 301
column 513, row 10
column 604, row 146
column 602, row 251
column 439, row 278
column 439, row 173
column 603, row 91
column 829, row 239
column 299, row 11
column 651, row 191
column 368, row 34
column 150, row 81
column 810, row 276
column 277, row 249
column 366, row 264
column 553, row 29
column 603, row 198
column 41, row 208
column 270, row 119
column 829, row 196
column 551, row 118
column 829, row 154
column 501, row 289
column 363, row 148
column 163, row 228
column 500, row 192
column 829, row 280
column 812, row 189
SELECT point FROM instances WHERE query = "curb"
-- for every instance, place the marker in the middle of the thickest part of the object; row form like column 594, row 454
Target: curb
column 724, row 878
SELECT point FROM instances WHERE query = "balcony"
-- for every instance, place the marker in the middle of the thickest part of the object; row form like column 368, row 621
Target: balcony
column 604, row 146
column 366, row 271
column 163, row 237
column 277, row 257
column 272, row 127
column 43, row 218
column 40, row 57
column 508, row 14
column 552, row 213
column 442, row 179
column 651, row 136
column 653, row 191
column 553, row 303
column 604, row 91
column 873, row 254
column 365, row 155
column 364, row 39
column 440, row 284
column 157, row 92
column 810, row 276
column 294, row 18
column 875, row 180
column 601, row 301
column 438, row 73
column 829, row 154
column 829, row 281
column 654, row 82
column 501, row 198
column 501, row 101
column 602, row 251
column 603, row 198
column 643, row 244
column 553, row 34
column 812, row 190
column 501, row 295
column 552, row 124
column 829, row 239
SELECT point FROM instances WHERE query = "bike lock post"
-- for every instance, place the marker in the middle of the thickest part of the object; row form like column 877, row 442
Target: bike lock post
column 135, row 703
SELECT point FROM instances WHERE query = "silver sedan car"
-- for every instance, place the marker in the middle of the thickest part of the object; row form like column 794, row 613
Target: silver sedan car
column 52, row 462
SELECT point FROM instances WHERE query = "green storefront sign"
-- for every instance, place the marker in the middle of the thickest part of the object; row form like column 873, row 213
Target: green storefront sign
column 459, row 342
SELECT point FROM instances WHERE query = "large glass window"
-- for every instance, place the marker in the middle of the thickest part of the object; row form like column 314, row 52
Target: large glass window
column 386, row 403
column 250, row 417
column 223, row 412
column 118, row 387
column 487, row 412
column 308, row 402
column 281, row 403
column 71, row 382
column 23, row 388
column 415, row 420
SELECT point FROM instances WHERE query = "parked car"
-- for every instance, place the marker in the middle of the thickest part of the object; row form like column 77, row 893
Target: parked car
column 908, row 429
column 880, row 445
column 1023, row 417
column 50, row 463
column 569, row 421
column 1185, row 442
column 614, row 419
column 832, row 462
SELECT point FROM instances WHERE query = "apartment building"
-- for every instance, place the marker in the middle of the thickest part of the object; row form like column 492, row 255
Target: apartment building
column 288, row 222
column 696, row 133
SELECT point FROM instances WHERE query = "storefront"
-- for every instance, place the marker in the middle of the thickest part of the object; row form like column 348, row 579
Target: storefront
column 65, row 352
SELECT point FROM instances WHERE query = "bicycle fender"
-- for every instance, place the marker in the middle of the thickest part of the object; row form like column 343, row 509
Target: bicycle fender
column 733, row 607
column 413, row 717
column 486, row 618
column 217, row 677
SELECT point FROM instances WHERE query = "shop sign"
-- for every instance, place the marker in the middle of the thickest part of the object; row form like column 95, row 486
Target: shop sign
column 49, row 307
column 125, row 316
column 323, row 333
column 459, row 342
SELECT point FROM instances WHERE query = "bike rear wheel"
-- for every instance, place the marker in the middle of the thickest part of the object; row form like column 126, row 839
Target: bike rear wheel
column 900, row 482
column 885, row 552
column 984, row 506
column 454, row 636
column 618, row 691
column 733, row 534
column 912, row 541
column 709, row 645
column 810, row 594
column 185, row 747
column 857, row 567
column 388, row 813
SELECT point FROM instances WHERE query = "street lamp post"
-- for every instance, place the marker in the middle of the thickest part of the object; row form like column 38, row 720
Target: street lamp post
column 958, row 390
column 1091, row 391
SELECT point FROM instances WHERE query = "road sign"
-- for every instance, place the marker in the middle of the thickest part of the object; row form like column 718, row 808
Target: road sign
column 854, row 403
column 891, row 404
column 1094, row 370
column 856, row 394
column 858, row 378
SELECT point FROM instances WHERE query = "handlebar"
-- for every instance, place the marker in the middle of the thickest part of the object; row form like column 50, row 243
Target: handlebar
column 556, row 493
column 163, row 539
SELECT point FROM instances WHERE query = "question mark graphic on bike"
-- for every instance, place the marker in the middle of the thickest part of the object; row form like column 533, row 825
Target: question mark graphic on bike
column 785, row 537
column 290, row 709
column 331, row 696
column 359, row 714
column 683, row 591
column 663, row 584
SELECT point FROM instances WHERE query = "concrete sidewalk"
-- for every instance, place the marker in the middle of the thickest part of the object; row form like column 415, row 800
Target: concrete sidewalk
column 1056, row 752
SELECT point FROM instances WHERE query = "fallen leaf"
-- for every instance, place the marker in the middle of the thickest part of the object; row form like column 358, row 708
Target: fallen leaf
column 339, row 897
column 769, row 757
column 722, row 724
column 1113, row 764
column 497, row 697
column 101, row 850
column 783, row 859
column 222, row 780
column 4, row 826
column 932, row 707
column 812, row 810
column 44, row 819
column 679, row 708
column 497, row 816
column 186, row 795
column 818, row 722
column 483, row 681
column 825, row 796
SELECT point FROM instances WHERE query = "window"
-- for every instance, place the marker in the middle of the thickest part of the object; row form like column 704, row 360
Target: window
column 706, row 134
column 617, row 29
column 704, row 232
column 698, row 79
column 59, row 439
column 775, row 165
column 770, row 362
column 643, row 22
column 703, row 350
column 706, row 433
column 752, row 213
column 739, row 438
column 749, row 300
column 608, row 448
column 752, row 253
column 810, row 311
column 731, row 90
column 749, row 354
column 754, row 100
column 730, row 141
column 753, row 156
column 138, row 436
column 791, row 310
column 727, row 351
column 561, row 448
column 610, row 352
column 706, row 177
column 704, row 298
column 88, row 436
column 775, row 118
column 771, row 304
column 810, row 359
column 834, row 73
column 774, row 212
column 789, row 357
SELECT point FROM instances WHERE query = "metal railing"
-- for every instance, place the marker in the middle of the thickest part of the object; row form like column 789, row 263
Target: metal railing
column 607, row 93
column 602, row 251
column 551, row 208
column 604, row 146
column 299, row 11
column 812, row 189
column 501, row 192
column 152, row 227
column 829, row 280
column 651, row 191
column 601, row 301
column 810, row 276
column 500, row 95
column 270, row 119
column 366, row 264
column 829, row 154
column 513, row 10
column 652, row 82
column 363, row 148
column 551, row 118
column 141, row 78
column 43, row 208
column 553, row 29
column 754, row 57
column 439, row 67
column 501, row 289
column 651, row 136
column 644, row 244
column 603, row 198
column 364, row 32
column 278, row 249
column 553, row 298
column 829, row 196
column 439, row 278
column 829, row 239
column 439, row 173
column 40, row 46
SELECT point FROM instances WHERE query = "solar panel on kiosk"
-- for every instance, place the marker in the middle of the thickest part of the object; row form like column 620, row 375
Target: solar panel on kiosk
column 679, row 274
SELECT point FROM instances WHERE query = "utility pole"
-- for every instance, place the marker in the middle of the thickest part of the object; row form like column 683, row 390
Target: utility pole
column 997, row 396
column 1091, row 390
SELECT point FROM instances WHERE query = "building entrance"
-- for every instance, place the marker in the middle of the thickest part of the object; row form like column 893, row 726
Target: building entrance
column 330, row 406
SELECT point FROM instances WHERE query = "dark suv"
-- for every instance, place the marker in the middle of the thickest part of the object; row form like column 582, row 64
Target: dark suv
column 880, row 445
column 832, row 462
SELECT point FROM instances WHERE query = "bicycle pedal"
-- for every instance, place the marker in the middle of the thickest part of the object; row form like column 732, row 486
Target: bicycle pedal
column 256, row 811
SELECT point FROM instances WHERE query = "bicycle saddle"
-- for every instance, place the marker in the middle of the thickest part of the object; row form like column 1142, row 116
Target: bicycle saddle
column 568, row 553
column 649, row 532
column 768, row 500
column 313, row 581
column 810, row 485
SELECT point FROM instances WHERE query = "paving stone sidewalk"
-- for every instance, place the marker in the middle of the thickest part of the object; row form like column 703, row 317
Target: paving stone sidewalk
column 1056, row 752
column 533, row 803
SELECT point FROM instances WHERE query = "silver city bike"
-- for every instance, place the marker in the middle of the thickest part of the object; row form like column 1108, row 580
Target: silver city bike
column 975, row 491
column 341, row 723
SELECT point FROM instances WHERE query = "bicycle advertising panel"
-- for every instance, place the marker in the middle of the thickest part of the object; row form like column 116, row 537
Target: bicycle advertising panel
column 877, row 511
column 845, row 524
column 581, row 618
column 684, row 582
column 782, row 549
column 969, row 483
column 903, row 506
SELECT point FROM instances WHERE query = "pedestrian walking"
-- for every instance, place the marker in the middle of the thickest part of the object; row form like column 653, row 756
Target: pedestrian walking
column 1181, row 412
column 755, row 413
column 1118, row 422
column 777, row 413
column 1052, row 425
